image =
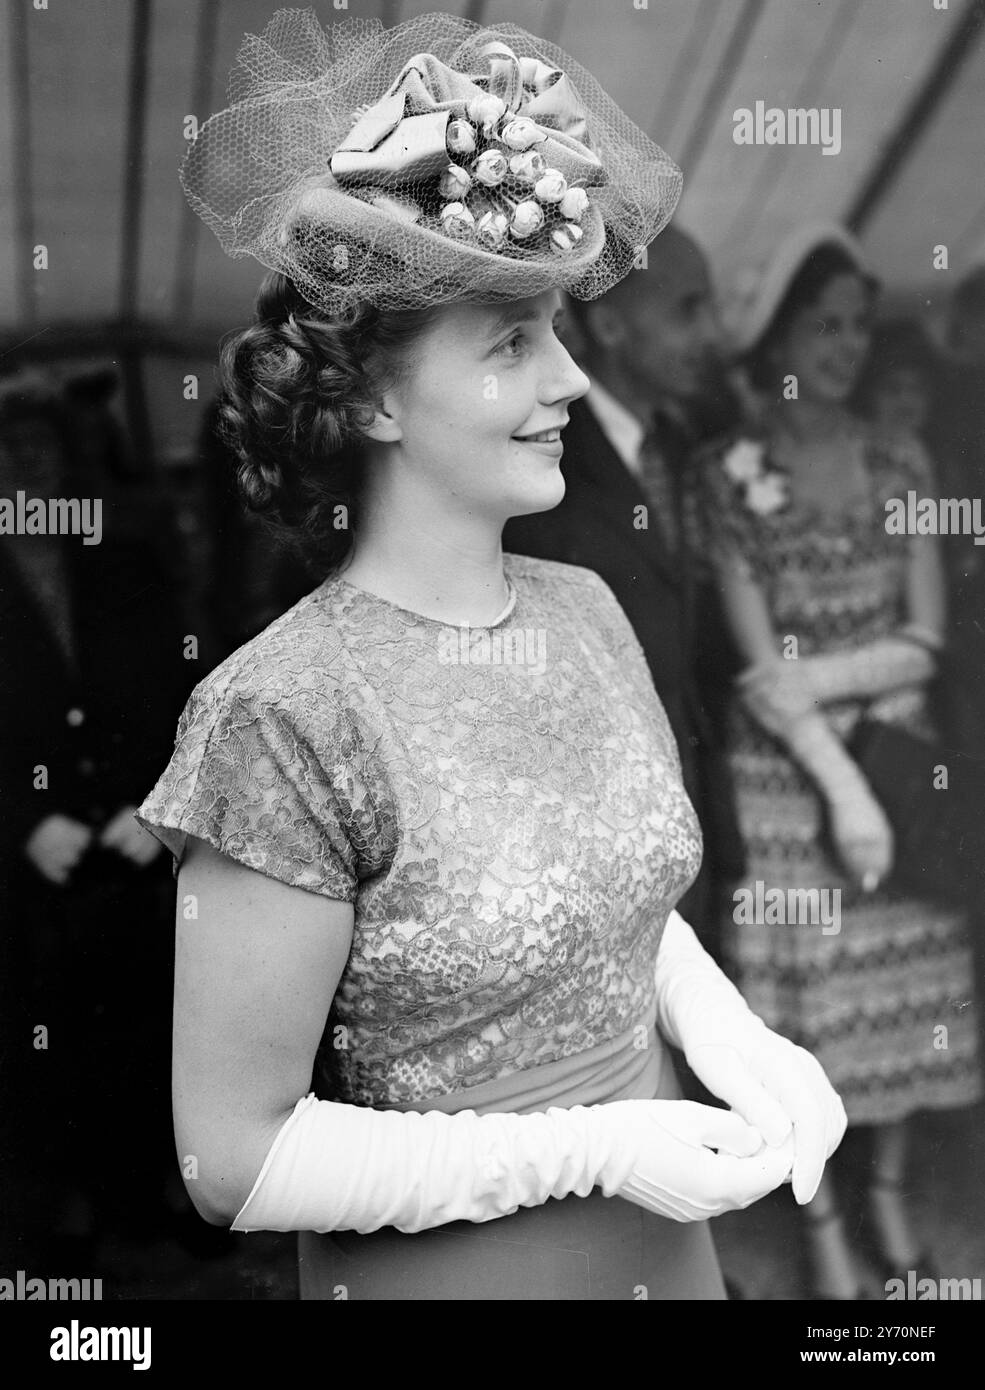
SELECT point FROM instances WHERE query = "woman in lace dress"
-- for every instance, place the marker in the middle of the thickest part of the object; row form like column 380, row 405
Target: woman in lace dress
column 430, row 824
column 834, row 615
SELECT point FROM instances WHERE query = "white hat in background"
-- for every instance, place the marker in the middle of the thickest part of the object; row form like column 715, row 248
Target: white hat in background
column 752, row 297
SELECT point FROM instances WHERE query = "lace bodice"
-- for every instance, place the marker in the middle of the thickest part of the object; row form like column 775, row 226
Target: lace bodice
column 503, row 806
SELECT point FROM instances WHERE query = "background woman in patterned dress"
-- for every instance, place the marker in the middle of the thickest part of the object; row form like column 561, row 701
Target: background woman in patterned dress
column 833, row 615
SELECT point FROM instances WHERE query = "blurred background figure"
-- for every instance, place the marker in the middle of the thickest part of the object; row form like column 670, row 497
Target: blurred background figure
column 92, row 680
column 100, row 448
column 834, row 618
column 897, row 384
column 652, row 349
column 956, row 433
column 956, row 430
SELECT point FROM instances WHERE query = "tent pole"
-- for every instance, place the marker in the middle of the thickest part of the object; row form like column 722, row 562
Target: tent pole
column 917, row 117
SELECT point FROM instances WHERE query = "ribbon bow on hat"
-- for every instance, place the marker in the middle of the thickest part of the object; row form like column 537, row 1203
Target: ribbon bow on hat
column 498, row 160
column 404, row 135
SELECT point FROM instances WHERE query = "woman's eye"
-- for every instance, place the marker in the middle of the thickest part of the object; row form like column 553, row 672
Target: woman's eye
column 512, row 347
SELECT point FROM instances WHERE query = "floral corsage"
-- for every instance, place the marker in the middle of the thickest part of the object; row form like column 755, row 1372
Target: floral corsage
column 766, row 487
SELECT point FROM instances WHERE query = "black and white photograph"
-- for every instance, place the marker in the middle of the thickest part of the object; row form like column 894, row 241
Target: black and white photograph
column 492, row 662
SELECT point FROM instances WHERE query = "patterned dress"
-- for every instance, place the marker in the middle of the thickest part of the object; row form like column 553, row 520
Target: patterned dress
column 503, row 806
column 868, row 997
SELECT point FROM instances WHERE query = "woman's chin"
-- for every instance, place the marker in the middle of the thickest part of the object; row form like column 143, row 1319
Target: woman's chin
column 543, row 498
column 831, row 390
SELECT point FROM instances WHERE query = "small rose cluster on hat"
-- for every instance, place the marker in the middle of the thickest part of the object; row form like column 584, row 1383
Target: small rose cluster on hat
column 765, row 485
column 499, row 187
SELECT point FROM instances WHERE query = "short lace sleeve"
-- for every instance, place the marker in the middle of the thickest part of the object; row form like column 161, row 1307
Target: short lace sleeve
column 271, row 782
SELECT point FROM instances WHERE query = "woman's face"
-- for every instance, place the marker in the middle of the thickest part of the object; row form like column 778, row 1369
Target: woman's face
column 826, row 344
column 481, row 408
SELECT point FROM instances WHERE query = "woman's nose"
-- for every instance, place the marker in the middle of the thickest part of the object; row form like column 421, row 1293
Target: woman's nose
column 858, row 339
column 567, row 382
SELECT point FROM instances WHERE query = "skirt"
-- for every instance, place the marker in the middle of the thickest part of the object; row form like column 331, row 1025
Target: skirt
column 587, row 1248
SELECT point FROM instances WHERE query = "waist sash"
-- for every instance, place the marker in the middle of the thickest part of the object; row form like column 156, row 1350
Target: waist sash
column 632, row 1066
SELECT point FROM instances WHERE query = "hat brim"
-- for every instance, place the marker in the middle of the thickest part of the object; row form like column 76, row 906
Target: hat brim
column 470, row 273
column 749, row 321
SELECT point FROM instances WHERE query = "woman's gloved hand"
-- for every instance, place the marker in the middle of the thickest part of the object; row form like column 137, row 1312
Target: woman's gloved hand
column 862, row 835
column 775, row 1086
column 56, row 845
column 778, row 690
column 128, row 838
column 692, row 1161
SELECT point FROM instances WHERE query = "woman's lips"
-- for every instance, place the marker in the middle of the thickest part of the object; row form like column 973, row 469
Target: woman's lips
column 552, row 450
column 550, row 436
column 843, row 373
column 545, row 441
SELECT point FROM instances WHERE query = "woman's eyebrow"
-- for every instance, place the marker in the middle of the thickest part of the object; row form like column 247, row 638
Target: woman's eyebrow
column 509, row 318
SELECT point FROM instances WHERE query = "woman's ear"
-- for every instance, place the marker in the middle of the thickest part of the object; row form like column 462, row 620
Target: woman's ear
column 381, row 425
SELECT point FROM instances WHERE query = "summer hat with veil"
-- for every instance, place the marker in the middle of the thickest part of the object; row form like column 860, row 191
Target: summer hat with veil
column 432, row 162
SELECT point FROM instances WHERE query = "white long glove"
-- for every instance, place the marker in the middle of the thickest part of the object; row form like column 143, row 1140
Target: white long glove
column 860, row 828
column 787, row 689
column 779, row 1088
column 335, row 1167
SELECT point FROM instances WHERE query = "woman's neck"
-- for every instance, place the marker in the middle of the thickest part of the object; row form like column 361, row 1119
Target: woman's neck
column 807, row 421
column 426, row 558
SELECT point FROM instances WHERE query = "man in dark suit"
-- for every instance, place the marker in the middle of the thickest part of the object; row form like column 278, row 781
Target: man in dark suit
column 651, row 349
